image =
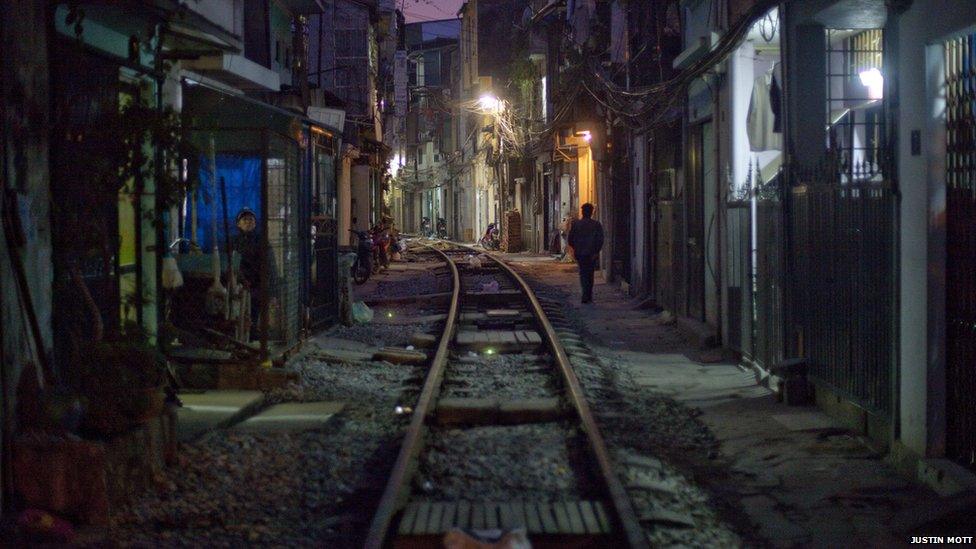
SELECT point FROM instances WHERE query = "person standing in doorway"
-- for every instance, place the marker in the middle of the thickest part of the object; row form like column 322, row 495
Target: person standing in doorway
column 586, row 239
column 250, row 246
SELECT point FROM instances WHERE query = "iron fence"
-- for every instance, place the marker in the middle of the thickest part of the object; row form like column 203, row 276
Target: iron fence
column 282, row 220
column 769, row 281
column 738, row 274
column 843, row 273
column 960, row 54
column 258, row 170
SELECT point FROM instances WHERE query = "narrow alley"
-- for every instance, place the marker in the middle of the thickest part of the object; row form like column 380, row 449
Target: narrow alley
column 487, row 274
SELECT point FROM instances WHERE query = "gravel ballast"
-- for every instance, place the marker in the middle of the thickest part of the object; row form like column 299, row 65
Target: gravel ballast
column 501, row 463
column 656, row 441
column 505, row 376
column 316, row 488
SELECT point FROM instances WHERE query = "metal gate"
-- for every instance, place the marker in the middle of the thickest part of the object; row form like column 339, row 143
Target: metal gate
column 768, row 283
column 842, row 254
column 961, row 252
column 738, row 275
column 323, row 286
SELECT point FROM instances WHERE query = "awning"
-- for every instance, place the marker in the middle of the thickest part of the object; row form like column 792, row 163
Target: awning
column 237, row 71
column 208, row 107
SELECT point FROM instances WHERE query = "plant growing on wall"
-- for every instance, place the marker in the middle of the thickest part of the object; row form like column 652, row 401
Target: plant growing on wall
column 112, row 146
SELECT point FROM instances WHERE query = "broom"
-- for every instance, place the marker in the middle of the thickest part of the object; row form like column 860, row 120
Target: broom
column 216, row 293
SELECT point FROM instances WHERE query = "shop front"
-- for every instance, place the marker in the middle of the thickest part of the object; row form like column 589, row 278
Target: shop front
column 279, row 169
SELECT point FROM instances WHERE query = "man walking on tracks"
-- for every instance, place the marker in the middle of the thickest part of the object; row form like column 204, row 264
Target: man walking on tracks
column 586, row 238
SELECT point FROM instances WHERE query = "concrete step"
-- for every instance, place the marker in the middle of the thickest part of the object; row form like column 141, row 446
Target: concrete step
column 210, row 410
column 291, row 417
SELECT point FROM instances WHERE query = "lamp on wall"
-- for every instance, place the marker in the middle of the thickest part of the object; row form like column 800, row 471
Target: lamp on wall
column 490, row 103
column 873, row 80
column 585, row 134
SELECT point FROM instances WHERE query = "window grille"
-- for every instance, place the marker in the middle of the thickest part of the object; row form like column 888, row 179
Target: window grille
column 855, row 102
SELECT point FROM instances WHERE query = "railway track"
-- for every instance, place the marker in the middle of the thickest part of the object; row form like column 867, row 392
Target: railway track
column 501, row 436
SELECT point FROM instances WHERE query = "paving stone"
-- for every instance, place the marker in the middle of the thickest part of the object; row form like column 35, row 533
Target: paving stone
column 341, row 356
column 291, row 417
column 400, row 356
column 209, row 410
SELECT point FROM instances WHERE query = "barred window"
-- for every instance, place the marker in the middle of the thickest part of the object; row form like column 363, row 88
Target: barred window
column 855, row 102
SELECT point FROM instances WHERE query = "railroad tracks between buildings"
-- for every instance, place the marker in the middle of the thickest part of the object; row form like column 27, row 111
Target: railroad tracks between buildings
column 501, row 436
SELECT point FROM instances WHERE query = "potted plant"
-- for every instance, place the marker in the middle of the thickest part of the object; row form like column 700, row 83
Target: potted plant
column 122, row 384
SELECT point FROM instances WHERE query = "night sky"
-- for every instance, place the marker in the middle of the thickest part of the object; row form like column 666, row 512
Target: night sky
column 425, row 10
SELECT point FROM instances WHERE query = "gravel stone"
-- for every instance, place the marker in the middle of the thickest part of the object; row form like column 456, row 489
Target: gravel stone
column 643, row 428
column 505, row 376
column 502, row 463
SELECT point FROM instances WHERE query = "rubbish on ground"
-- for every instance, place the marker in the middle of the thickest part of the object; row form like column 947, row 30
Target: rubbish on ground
column 491, row 286
column 487, row 539
column 475, row 262
column 361, row 313
column 400, row 410
column 410, row 347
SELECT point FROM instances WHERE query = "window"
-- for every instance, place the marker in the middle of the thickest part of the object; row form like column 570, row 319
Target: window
column 855, row 102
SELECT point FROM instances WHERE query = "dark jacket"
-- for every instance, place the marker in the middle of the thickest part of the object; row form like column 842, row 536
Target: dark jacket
column 249, row 246
column 586, row 237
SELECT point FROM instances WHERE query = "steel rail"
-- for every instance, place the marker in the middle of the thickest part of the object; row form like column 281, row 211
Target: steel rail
column 396, row 491
column 394, row 494
column 622, row 506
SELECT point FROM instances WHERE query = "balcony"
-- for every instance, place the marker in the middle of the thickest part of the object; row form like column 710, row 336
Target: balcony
column 236, row 71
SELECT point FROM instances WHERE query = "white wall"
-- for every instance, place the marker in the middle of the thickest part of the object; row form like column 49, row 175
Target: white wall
column 920, row 33
column 228, row 14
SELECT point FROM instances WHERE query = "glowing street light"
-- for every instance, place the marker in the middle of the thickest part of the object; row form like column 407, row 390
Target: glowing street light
column 873, row 80
column 490, row 103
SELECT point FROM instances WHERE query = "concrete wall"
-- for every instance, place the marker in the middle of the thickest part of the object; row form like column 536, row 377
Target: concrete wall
column 639, row 268
column 915, row 86
column 24, row 100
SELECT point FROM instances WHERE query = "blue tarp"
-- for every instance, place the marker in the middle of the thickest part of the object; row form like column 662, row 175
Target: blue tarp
column 242, row 178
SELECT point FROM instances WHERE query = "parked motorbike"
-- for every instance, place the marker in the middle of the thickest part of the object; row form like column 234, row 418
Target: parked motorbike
column 363, row 266
column 381, row 247
column 491, row 240
column 441, row 227
column 425, row 227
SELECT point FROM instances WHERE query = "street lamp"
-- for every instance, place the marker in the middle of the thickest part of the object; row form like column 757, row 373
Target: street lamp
column 490, row 103
column 873, row 80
